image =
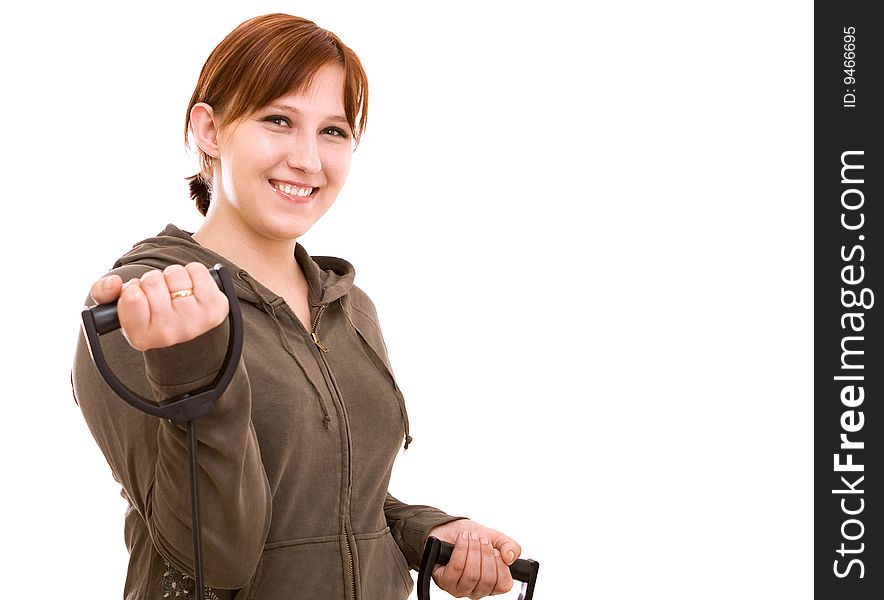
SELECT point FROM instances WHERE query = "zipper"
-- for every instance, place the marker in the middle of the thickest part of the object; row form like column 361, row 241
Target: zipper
column 315, row 337
column 350, row 564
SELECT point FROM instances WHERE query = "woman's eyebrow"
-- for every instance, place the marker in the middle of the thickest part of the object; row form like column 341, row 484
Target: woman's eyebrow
column 288, row 108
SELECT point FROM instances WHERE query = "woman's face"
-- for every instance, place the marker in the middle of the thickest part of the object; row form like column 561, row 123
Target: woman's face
column 281, row 167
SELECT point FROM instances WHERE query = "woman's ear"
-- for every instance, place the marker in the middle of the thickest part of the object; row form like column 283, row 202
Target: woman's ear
column 204, row 128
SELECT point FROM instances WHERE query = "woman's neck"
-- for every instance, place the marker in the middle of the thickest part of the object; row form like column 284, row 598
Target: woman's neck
column 272, row 262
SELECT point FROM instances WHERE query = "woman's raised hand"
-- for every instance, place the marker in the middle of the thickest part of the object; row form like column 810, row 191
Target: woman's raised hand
column 164, row 308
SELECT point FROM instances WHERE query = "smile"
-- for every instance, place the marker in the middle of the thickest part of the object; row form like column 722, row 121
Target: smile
column 293, row 190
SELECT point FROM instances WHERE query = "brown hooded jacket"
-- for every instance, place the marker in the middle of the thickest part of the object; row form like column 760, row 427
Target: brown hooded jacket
column 294, row 460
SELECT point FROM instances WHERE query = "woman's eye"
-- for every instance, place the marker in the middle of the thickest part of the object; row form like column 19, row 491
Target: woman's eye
column 277, row 120
column 336, row 132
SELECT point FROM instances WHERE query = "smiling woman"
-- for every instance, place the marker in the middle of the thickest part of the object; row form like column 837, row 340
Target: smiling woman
column 265, row 72
column 296, row 455
column 275, row 172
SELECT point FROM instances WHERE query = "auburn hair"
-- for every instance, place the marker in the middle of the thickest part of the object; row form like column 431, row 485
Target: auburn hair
column 261, row 60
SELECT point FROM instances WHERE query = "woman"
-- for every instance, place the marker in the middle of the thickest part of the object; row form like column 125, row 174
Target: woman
column 296, row 456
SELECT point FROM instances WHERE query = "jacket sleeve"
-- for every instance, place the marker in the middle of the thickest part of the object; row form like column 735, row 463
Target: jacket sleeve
column 150, row 456
column 410, row 524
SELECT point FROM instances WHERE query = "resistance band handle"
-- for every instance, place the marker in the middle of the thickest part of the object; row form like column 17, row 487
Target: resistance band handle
column 102, row 319
column 106, row 318
column 437, row 552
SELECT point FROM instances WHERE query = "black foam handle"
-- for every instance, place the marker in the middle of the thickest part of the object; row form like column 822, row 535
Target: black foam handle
column 521, row 569
column 437, row 552
column 106, row 318
column 101, row 319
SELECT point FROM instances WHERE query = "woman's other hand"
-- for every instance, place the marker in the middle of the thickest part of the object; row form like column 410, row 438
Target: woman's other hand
column 479, row 564
column 158, row 309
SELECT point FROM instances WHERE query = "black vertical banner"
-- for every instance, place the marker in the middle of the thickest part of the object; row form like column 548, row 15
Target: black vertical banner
column 848, row 271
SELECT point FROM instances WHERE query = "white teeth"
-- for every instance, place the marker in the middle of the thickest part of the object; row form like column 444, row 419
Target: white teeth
column 294, row 190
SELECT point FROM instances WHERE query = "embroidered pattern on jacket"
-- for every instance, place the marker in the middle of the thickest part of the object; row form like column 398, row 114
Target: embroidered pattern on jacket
column 178, row 585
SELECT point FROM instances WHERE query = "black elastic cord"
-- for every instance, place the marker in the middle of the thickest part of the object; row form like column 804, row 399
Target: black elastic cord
column 199, row 589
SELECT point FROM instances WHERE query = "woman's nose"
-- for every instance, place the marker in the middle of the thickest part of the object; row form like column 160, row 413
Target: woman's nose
column 304, row 154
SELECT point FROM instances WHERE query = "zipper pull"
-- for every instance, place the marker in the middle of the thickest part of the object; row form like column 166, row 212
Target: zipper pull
column 318, row 343
column 313, row 335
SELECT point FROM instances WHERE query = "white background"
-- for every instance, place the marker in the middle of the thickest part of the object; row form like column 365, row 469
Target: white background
column 588, row 235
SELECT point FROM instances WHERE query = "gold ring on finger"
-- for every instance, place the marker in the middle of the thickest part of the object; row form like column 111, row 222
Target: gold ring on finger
column 181, row 294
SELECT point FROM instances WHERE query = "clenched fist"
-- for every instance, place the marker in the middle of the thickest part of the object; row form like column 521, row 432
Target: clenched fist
column 164, row 308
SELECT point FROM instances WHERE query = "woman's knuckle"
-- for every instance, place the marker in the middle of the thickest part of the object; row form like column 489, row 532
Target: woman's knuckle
column 195, row 269
column 166, row 337
column 136, row 340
